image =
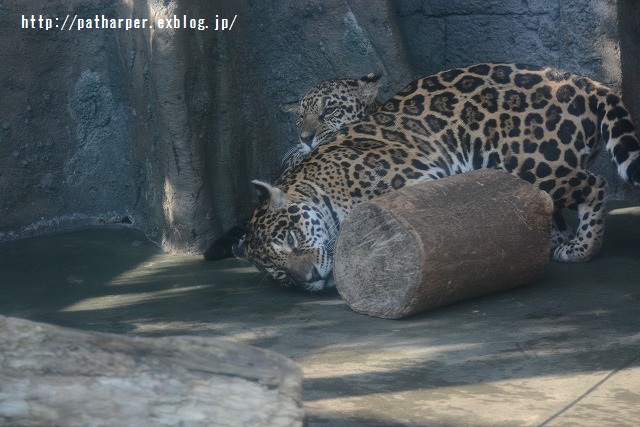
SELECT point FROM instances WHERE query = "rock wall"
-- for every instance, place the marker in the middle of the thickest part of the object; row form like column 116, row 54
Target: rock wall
column 165, row 127
column 576, row 35
column 66, row 157
column 629, row 19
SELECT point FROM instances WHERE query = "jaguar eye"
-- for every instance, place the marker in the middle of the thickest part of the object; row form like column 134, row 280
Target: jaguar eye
column 330, row 111
column 291, row 240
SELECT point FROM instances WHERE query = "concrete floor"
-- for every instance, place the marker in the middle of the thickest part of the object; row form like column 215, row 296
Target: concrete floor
column 564, row 351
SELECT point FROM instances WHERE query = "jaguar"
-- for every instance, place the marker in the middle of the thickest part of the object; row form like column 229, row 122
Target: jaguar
column 328, row 107
column 324, row 109
column 543, row 125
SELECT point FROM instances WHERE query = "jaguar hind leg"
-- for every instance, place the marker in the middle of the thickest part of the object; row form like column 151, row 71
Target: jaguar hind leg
column 561, row 232
column 590, row 200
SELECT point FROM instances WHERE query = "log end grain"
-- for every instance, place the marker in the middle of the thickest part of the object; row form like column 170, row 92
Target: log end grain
column 380, row 262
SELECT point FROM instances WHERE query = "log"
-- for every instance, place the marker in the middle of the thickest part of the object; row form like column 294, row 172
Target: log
column 438, row 242
column 57, row 376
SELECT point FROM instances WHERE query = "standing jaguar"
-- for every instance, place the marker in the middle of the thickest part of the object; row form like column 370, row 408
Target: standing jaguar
column 542, row 125
column 328, row 107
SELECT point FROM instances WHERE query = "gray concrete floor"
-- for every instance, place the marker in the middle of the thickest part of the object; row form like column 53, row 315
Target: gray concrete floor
column 564, row 351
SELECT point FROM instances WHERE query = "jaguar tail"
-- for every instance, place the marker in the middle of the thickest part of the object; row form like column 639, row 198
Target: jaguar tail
column 619, row 133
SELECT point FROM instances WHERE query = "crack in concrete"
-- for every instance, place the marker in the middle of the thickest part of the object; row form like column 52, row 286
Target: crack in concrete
column 591, row 390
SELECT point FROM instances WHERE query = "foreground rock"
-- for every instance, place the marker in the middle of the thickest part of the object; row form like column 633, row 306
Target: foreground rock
column 56, row 376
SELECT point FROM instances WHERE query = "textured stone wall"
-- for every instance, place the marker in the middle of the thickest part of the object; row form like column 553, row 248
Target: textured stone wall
column 629, row 37
column 577, row 35
column 65, row 150
column 165, row 128
column 629, row 18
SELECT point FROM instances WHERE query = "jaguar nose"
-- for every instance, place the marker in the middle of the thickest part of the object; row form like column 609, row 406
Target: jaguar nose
column 315, row 275
column 306, row 137
column 305, row 275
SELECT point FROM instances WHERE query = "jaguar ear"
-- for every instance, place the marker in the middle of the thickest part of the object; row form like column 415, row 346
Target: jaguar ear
column 276, row 198
column 291, row 107
column 369, row 86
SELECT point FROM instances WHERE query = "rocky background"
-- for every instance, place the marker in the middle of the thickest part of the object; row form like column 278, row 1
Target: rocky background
column 165, row 128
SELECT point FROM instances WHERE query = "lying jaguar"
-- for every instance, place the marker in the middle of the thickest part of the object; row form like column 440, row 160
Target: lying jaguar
column 542, row 125
column 328, row 107
column 324, row 109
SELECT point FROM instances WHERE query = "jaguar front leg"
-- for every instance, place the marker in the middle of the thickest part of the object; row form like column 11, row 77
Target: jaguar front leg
column 589, row 196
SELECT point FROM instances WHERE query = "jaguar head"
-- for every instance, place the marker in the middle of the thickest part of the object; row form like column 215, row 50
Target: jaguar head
column 332, row 105
column 289, row 240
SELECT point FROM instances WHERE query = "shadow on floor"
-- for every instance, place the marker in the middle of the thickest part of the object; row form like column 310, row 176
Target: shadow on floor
column 535, row 350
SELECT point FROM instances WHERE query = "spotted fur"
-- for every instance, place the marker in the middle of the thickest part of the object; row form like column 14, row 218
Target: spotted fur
column 542, row 125
column 328, row 107
column 323, row 110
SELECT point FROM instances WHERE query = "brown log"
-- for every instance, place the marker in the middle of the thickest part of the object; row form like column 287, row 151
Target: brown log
column 438, row 242
column 57, row 376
